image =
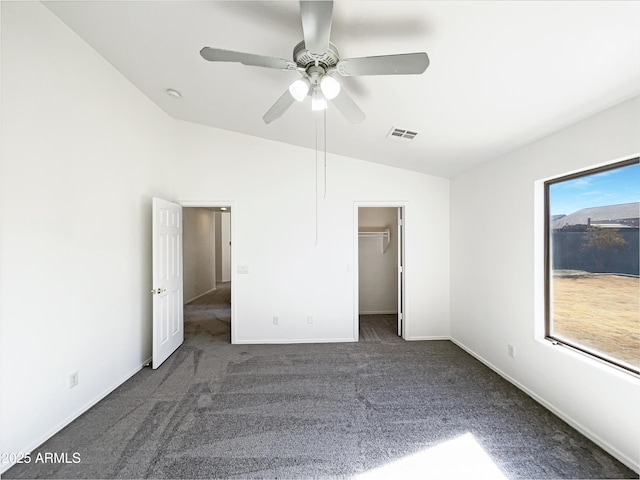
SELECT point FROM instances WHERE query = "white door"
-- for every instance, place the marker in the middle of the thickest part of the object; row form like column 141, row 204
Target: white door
column 168, row 321
column 400, row 272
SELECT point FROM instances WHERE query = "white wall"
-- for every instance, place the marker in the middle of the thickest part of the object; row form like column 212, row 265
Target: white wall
column 378, row 268
column 272, row 186
column 82, row 153
column 198, row 234
column 496, row 278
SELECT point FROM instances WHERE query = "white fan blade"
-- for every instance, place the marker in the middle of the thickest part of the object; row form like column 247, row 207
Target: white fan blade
column 316, row 24
column 348, row 107
column 218, row 55
column 401, row 64
column 278, row 108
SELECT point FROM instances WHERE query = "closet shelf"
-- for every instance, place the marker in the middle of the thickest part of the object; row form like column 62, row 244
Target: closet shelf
column 383, row 233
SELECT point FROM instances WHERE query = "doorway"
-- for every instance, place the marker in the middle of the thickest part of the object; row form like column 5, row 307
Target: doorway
column 207, row 253
column 380, row 270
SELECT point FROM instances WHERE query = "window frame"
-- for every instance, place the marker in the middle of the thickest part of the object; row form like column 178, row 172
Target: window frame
column 548, row 271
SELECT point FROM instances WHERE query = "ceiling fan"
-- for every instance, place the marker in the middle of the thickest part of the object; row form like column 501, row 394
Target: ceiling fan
column 317, row 60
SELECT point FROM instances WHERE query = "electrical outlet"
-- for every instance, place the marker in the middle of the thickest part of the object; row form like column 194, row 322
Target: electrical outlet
column 73, row 379
column 276, row 320
column 511, row 351
column 309, row 319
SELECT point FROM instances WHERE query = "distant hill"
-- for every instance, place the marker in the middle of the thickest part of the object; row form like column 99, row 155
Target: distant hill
column 622, row 215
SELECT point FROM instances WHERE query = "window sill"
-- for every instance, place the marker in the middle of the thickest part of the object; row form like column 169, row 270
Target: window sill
column 590, row 359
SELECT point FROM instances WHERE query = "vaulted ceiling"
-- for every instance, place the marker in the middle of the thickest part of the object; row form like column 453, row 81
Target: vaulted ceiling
column 502, row 74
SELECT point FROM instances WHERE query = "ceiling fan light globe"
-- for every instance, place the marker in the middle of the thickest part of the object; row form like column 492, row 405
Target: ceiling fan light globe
column 318, row 102
column 330, row 87
column 299, row 89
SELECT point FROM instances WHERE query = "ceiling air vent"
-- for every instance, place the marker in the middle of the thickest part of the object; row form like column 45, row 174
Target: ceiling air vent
column 400, row 133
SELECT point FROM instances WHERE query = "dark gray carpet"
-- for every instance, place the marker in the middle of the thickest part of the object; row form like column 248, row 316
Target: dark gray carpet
column 382, row 407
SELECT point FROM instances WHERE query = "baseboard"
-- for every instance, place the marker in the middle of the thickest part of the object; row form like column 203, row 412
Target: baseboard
column 415, row 338
column 30, row 448
column 384, row 312
column 201, row 295
column 629, row 462
column 295, row 340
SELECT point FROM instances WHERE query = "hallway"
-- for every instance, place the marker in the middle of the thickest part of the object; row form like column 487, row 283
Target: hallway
column 210, row 315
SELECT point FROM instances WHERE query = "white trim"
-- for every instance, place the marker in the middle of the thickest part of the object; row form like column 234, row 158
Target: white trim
column 231, row 205
column 586, row 357
column 356, row 277
column 91, row 403
column 378, row 313
column 629, row 462
column 427, row 337
column 201, row 295
column 296, row 340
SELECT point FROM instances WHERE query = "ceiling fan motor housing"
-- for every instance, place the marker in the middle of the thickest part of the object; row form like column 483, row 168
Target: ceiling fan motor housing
column 305, row 59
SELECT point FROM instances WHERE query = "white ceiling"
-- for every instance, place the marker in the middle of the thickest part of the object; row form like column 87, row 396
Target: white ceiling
column 502, row 73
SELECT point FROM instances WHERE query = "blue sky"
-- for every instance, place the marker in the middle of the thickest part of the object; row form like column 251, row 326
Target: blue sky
column 611, row 187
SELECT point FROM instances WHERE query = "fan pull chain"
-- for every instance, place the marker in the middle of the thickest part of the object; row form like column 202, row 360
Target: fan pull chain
column 325, row 155
column 316, row 198
column 324, row 183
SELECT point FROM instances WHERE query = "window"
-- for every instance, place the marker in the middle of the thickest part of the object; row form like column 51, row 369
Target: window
column 592, row 266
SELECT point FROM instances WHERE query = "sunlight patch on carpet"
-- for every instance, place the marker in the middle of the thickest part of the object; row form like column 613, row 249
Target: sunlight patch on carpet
column 460, row 458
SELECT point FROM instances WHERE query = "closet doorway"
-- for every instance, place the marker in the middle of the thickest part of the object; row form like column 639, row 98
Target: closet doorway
column 207, row 260
column 380, row 271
